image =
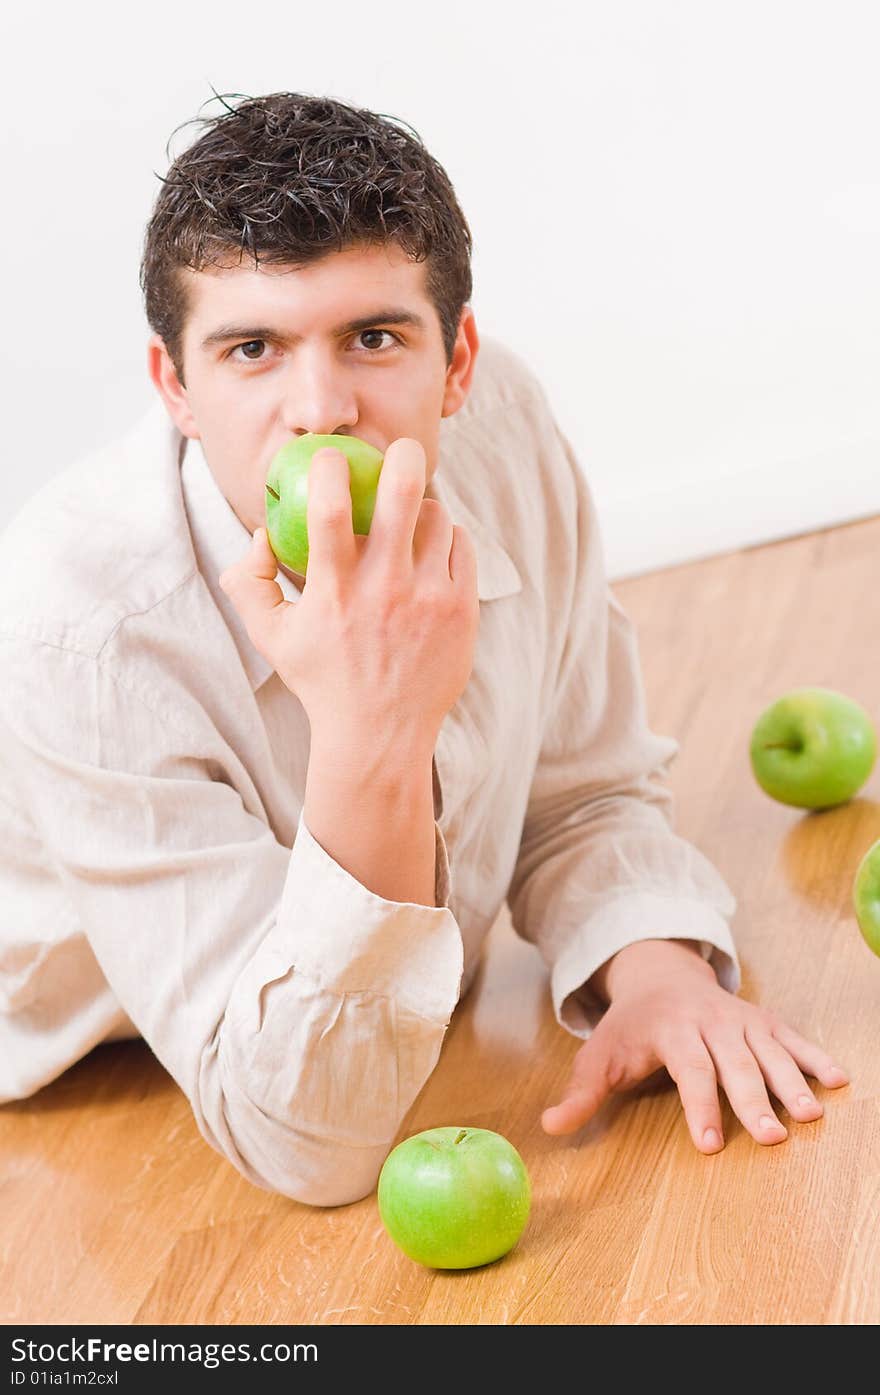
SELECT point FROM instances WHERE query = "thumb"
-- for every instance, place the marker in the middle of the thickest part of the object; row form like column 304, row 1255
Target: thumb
column 587, row 1089
column 251, row 586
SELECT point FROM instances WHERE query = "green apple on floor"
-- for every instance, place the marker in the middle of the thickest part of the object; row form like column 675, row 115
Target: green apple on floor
column 287, row 492
column 813, row 748
column 454, row 1197
column 866, row 897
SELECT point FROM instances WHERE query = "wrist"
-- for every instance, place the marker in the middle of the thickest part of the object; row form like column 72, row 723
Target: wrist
column 644, row 962
column 376, row 756
column 373, row 814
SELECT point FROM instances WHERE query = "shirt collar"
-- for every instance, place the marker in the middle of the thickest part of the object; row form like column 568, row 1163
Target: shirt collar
column 220, row 539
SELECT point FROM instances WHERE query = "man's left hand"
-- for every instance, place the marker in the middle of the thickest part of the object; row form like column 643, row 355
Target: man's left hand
column 667, row 1008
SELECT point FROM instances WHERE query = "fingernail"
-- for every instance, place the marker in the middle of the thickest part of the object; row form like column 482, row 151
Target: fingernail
column 808, row 1102
column 712, row 1138
column 835, row 1074
column 767, row 1122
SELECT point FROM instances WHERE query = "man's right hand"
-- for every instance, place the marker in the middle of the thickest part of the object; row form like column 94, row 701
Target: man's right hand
column 383, row 636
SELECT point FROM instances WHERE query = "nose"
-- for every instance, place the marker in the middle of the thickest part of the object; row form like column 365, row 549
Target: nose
column 319, row 397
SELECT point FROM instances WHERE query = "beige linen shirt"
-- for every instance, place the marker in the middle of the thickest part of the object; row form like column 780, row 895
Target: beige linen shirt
column 156, row 874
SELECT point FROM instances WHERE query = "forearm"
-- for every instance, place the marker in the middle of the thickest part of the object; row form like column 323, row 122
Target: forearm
column 642, row 962
column 372, row 810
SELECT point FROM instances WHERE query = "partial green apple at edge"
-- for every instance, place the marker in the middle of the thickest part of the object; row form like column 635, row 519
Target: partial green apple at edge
column 866, row 897
column 813, row 748
column 287, row 492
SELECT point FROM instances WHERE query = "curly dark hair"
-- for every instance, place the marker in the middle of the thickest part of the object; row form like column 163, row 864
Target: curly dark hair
column 290, row 178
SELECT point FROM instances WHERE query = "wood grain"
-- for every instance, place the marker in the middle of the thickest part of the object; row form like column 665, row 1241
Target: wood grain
column 114, row 1210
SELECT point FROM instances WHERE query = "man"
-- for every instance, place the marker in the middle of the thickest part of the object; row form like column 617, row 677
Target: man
column 266, row 821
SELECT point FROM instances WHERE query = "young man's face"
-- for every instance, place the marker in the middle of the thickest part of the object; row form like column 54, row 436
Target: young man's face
column 293, row 367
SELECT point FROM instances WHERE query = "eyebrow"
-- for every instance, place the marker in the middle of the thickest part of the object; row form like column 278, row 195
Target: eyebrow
column 394, row 316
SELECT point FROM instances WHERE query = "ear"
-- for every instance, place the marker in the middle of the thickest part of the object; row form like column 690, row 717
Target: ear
column 461, row 370
column 168, row 385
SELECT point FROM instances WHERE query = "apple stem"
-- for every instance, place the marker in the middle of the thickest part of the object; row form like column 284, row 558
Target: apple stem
column 272, row 492
column 462, row 1133
column 781, row 746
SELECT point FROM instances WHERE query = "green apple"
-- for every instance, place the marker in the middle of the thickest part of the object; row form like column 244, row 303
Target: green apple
column 813, row 748
column 866, row 897
column 454, row 1198
column 287, row 492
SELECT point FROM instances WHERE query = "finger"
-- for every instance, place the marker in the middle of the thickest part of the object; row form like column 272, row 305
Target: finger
column 432, row 539
column 692, row 1069
column 811, row 1058
column 587, row 1089
column 399, row 496
column 251, row 586
column 743, row 1083
column 328, row 514
column 463, row 562
column 782, row 1075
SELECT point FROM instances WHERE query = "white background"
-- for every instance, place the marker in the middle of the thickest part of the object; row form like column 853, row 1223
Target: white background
column 675, row 208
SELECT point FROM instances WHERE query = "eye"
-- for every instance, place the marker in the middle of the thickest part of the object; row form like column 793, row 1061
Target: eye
column 249, row 345
column 378, row 348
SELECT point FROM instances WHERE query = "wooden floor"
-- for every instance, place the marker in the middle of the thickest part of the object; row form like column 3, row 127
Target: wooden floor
column 115, row 1211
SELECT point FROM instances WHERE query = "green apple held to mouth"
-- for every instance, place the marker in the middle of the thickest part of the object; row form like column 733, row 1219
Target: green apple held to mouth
column 454, row 1198
column 813, row 748
column 287, row 492
column 866, row 897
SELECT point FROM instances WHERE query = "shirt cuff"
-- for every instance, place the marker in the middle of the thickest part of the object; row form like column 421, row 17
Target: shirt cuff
column 349, row 940
column 625, row 921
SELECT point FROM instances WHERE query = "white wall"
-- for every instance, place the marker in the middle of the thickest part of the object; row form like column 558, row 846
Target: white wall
column 675, row 207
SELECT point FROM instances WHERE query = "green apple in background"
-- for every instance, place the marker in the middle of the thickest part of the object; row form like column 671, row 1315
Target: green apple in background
column 866, row 897
column 453, row 1197
column 287, row 492
column 813, row 748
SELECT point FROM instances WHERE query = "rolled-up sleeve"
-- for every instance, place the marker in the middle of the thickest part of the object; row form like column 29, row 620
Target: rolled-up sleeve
column 299, row 1012
column 599, row 864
